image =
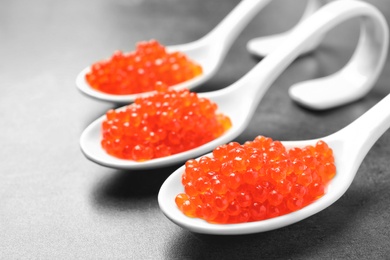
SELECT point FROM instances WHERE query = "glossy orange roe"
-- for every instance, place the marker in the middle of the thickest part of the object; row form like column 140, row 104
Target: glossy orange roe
column 258, row 180
column 138, row 71
column 163, row 124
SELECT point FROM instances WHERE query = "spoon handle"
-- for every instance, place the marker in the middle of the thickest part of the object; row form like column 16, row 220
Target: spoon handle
column 224, row 34
column 362, row 133
column 264, row 45
column 351, row 82
column 311, row 7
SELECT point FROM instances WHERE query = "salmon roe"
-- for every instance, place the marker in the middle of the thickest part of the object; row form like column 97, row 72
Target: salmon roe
column 258, row 180
column 166, row 123
column 138, row 71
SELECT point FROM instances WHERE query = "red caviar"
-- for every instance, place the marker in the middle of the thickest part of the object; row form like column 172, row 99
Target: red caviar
column 258, row 180
column 166, row 123
column 138, row 71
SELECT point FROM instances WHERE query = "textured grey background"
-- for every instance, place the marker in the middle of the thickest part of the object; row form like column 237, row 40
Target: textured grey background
column 56, row 204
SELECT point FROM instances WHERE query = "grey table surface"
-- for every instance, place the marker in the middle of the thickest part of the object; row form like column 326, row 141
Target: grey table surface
column 56, row 204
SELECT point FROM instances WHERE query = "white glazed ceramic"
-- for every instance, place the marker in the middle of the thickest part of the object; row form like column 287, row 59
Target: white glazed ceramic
column 240, row 100
column 350, row 145
column 209, row 51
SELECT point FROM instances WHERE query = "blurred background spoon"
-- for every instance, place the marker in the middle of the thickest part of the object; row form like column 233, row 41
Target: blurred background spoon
column 262, row 46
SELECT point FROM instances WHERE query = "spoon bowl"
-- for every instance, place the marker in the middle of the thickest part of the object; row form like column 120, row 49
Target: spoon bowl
column 240, row 100
column 209, row 51
column 350, row 145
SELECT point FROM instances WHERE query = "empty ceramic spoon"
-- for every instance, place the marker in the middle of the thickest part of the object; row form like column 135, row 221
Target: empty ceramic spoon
column 350, row 144
column 262, row 46
column 240, row 100
column 209, row 51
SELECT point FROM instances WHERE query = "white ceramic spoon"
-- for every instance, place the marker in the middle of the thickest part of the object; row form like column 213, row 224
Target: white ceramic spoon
column 240, row 100
column 262, row 46
column 209, row 51
column 350, row 145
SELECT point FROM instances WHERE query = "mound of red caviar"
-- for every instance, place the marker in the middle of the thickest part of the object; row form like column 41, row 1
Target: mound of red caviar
column 163, row 124
column 138, row 71
column 255, row 181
